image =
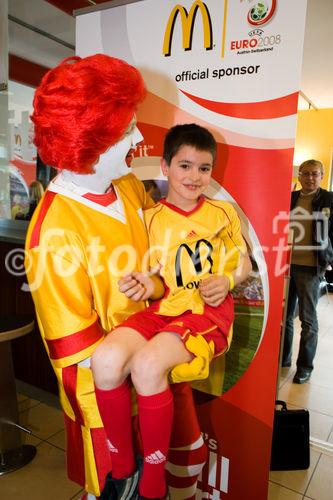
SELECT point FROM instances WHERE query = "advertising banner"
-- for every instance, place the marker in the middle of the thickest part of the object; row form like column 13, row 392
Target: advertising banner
column 232, row 66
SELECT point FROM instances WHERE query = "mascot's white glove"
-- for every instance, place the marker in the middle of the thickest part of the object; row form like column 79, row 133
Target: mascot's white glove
column 198, row 368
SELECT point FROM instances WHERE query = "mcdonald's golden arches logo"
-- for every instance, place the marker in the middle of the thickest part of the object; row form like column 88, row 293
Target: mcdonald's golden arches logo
column 187, row 23
column 195, row 257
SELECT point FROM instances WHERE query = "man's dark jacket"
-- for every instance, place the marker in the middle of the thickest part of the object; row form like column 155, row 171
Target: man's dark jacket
column 322, row 231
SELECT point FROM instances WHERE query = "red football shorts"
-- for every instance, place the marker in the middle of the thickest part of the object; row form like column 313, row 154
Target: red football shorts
column 214, row 324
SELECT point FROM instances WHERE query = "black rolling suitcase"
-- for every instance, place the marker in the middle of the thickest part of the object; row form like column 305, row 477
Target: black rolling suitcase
column 291, row 439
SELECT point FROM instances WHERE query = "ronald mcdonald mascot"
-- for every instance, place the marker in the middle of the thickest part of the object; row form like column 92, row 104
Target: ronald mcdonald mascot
column 86, row 232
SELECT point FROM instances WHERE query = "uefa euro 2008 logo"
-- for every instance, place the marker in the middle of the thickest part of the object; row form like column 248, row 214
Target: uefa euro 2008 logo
column 260, row 13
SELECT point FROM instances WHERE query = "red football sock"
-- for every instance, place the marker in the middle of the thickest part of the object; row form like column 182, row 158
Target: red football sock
column 155, row 417
column 115, row 408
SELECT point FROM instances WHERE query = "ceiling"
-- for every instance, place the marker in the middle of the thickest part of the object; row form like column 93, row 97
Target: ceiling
column 44, row 32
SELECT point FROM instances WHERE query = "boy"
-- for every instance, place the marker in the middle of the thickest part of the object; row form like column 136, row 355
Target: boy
column 185, row 328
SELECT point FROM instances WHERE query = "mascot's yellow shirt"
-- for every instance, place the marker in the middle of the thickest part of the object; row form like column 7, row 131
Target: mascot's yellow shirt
column 77, row 249
column 186, row 247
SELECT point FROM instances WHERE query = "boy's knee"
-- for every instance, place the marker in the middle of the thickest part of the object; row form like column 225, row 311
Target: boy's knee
column 146, row 369
column 99, row 359
column 107, row 365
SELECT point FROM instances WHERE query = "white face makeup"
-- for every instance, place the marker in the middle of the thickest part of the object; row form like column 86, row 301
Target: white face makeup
column 112, row 164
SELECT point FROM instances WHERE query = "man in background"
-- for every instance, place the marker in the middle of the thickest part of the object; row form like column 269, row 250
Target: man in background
column 312, row 220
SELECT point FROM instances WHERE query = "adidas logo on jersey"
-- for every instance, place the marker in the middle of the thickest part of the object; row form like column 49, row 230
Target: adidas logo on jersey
column 155, row 458
column 112, row 448
column 191, row 234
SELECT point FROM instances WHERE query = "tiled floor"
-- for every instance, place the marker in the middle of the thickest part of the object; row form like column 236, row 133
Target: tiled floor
column 317, row 395
column 45, row 477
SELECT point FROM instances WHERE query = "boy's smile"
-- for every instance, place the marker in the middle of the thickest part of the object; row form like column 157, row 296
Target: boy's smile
column 189, row 174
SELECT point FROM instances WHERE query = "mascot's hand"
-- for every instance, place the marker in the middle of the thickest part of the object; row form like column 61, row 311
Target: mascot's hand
column 137, row 286
column 198, row 368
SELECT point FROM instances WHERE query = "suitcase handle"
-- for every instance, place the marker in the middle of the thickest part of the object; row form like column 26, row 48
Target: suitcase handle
column 281, row 403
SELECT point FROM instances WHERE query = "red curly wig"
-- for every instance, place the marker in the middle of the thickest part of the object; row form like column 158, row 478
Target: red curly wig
column 82, row 107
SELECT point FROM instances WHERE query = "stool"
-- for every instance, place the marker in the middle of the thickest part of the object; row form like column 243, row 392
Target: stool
column 13, row 455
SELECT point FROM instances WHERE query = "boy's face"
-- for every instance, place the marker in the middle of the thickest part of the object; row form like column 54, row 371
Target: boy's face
column 188, row 174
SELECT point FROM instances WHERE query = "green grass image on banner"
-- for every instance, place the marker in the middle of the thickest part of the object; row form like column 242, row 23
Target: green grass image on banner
column 247, row 332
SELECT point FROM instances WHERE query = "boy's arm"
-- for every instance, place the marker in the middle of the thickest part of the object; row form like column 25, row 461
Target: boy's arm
column 241, row 272
column 236, row 264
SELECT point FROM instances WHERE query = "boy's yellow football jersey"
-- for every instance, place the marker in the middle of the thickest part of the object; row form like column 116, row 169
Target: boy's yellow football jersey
column 186, row 247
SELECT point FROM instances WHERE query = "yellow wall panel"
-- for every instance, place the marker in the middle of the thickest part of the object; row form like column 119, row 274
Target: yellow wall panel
column 314, row 139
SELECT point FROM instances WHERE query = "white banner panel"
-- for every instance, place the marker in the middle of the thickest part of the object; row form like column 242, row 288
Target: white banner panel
column 234, row 67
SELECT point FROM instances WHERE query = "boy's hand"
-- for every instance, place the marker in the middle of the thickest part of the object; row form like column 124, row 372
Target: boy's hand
column 136, row 286
column 214, row 289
